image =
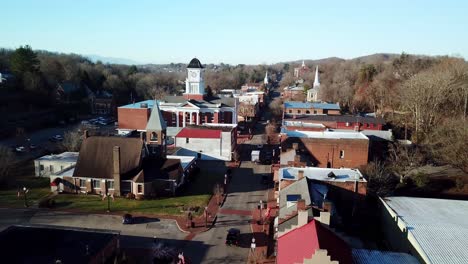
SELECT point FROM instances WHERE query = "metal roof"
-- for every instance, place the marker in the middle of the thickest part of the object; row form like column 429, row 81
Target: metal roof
column 439, row 227
column 308, row 105
column 324, row 134
column 364, row 256
column 321, row 174
column 156, row 121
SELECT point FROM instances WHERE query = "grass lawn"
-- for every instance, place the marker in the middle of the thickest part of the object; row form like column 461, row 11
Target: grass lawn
column 195, row 194
column 38, row 188
column 163, row 206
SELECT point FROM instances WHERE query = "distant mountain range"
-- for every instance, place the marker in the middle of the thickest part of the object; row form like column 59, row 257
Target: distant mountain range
column 112, row 60
column 369, row 59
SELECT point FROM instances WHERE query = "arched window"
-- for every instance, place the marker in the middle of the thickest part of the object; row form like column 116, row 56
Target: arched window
column 307, row 112
column 154, row 136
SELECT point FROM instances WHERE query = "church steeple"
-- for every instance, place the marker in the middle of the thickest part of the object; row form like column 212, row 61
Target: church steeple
column 156, row 130
column 316, row 80
column 265, row 81
column 303, row 64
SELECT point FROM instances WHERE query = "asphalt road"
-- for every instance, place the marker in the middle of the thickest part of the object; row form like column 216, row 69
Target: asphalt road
column 244, row 193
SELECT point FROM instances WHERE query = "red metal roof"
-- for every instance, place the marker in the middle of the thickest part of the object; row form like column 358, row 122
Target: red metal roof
column 199, row 133
column 302, row 242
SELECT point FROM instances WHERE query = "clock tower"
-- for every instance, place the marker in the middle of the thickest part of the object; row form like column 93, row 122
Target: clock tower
column 195, row 82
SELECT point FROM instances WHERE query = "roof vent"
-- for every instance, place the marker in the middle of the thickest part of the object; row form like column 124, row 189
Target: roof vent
column 331, row 175
column 143, row 105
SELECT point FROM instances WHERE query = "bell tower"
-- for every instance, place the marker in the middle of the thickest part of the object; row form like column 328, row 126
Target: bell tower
column 195, row 82
column 156, row 132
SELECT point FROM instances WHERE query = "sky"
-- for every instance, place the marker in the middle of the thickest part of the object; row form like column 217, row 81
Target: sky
column 236, row 31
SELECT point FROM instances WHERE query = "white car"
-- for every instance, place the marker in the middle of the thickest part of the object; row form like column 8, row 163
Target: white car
column 20, row 149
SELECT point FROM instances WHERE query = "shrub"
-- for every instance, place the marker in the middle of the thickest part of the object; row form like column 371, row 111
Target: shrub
column 130, row 196
column 421, row 180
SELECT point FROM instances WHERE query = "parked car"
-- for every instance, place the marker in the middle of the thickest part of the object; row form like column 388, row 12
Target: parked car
column 232, row 237
column 56, row 138
column 127, row 219
column 20, row 149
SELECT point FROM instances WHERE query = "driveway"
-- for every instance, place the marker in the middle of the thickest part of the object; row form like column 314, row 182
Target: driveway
column 244, row 192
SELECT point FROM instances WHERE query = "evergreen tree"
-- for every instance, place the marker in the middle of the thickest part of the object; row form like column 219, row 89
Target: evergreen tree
column 24, row 60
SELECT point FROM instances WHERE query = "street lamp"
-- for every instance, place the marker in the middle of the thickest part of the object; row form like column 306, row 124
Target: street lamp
column 260, row 208
column 25, row 191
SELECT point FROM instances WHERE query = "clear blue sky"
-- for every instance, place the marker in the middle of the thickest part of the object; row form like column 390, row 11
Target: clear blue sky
column 236, row 31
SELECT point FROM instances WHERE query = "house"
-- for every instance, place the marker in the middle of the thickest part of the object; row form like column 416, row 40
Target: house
column 251, row 87
column 292, row 92
column 48, row 244
column 343, row 122
column 432, row 230
column 120, row 165
column 295, row 109
column 102, row 103
column 328, row 149
column 310, row 242
column 194, row 107
column 207, row 142
column 301, row 71
column 49, row 164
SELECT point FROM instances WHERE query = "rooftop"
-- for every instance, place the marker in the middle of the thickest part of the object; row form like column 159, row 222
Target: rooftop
column 336, row 118
column 321, row 174
column 65, row 157
column 324, row 134
column 37, row 244
column 364, row 256
column 198, row 132
column 308, row 105
column 439, row 226
column 149, row 104
column 195, row 64
column 185, row 161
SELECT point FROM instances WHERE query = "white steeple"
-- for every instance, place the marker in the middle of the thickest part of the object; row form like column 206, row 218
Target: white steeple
column 316, row 80
column 303, row 64
column 265, row 81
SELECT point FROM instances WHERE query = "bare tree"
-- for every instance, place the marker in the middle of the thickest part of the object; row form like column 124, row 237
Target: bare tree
column 72, row 141
column 6, row 159
column 381, row 181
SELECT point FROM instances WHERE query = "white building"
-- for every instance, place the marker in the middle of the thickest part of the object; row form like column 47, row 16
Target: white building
column 313, row 94
column 433, row 230
column 49, row 164
column 213, row 142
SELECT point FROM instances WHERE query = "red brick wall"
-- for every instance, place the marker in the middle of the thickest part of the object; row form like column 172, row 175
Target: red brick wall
column 322, row 151
column 168, row 117
column 133, row 118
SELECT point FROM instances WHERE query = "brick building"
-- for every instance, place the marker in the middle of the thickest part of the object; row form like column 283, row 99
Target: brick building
column 329, row 149
column 301, row 71
column 295, row 109
column 194, row 107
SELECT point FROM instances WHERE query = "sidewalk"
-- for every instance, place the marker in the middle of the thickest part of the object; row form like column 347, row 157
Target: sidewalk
column 264, row 234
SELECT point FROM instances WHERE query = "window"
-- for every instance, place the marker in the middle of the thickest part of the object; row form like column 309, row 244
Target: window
column 97, row 184
column 347, row 124
column 341, row 154
column 82, row 183
column 307, row 112
column 154, row 136
column 110, row 185
column 41, row 167
column 51, row 168
column 315, row 112
column 187, row 140
column 140, row 188
column 290, row 111
column 298, row 111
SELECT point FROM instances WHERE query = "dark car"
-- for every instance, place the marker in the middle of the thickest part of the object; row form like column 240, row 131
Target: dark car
column 127, row 219
column 232, row 237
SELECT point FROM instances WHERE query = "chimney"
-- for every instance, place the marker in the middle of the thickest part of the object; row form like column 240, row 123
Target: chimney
column 301, row 206
column 300, row 174
column 295, row 146
column 302, row 214
column 85, row 134
column 327, row 205
column 116, row 169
